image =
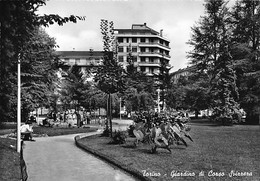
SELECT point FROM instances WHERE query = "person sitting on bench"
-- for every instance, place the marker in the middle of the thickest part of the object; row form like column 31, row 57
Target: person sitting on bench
column 26, row 131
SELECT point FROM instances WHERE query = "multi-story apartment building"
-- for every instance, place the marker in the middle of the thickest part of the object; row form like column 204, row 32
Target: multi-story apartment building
column 147, row 46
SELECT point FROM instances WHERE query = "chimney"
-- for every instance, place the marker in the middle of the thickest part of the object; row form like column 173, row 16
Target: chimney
column 161, row 32
column 144, row 24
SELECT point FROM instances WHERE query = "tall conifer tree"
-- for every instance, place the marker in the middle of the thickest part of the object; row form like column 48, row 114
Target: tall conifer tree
column 246, row 52
column 211, row 54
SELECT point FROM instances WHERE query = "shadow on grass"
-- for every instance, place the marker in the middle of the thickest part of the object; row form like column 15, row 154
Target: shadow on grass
column 178, row 147
column 132, row 146
column 205, row 122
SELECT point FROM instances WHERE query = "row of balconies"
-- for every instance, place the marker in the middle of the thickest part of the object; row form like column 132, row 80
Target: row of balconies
column 130, row 38
column 154, row 44
column 146, row 44
column 154, row 54
column 148, row 53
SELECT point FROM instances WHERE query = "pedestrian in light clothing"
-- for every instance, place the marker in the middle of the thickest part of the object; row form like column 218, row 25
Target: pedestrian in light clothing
column 27, row 131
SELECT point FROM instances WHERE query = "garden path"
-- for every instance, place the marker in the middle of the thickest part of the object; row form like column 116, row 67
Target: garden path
column 58, row 158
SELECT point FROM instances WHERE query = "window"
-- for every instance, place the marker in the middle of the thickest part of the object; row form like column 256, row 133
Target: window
column 143, row 40
column 72, row 61
column 120, row 39
column 134, row 40
column 120, row 49
column 121, row 58
column 142, row 69
column 128, row 49
column 151, row 60
column 134, row 58
column 77, row 61
column 142, row 49
column 151, row 70
column 142, row 59
column 134, row 49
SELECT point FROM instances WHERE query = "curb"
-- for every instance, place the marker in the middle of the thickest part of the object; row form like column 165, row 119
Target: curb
column 137, row 174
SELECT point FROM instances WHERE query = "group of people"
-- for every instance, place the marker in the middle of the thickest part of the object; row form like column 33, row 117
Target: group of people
column 72, row 118
column 161, row 130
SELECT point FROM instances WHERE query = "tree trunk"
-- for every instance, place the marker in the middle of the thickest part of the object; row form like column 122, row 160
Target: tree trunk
column 110, row 113
column 196, row 114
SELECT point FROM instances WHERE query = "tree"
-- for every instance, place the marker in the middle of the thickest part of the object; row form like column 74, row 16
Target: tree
column 18, row 21
column 73, row 88
column 163, row 80
column 245, row 50
column 38, row 72
column 211, row 54
column 139, row 88
column 110, row 76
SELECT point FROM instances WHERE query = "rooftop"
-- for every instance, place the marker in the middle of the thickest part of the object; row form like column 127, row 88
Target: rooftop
column 78, row 54
column 139, row 28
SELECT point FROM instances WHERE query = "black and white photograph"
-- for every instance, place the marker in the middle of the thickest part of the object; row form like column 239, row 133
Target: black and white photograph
column 129, row 90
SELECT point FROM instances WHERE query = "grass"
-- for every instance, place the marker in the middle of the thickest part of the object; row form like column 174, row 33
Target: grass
column 56, row 131
column 10, row 158
column 216, row 151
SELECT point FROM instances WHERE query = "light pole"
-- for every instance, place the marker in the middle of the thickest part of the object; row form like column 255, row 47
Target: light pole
column 158, row 100
column 19, row 105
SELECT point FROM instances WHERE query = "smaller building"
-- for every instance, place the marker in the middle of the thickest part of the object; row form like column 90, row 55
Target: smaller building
column 182, row 72
column 81, row 58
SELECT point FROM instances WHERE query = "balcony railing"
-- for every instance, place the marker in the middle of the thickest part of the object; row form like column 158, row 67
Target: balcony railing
column 149, row 63
column 153, row 43
column 154, row 53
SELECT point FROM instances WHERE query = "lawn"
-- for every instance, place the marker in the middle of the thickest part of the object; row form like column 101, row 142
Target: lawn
column 217, row 153
column 56, row 131
column 10, row 158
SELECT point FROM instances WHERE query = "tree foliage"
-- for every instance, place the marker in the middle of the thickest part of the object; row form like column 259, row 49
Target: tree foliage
column 245, row 50
column 212, row 55
column 37, row 71
column 19, row 22
column 109, row 76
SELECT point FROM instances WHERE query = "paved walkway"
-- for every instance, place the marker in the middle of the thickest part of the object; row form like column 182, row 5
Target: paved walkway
column 58, row 158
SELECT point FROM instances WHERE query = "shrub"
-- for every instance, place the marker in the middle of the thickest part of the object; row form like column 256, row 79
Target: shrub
column 119, row 137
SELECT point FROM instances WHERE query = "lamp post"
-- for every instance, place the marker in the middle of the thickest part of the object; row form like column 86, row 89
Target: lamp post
column 19, row 105
column 158, row 100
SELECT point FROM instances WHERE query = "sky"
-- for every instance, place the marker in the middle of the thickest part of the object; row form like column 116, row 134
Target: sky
column 175, row 17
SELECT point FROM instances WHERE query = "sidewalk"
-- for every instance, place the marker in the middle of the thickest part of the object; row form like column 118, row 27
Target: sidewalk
column 58, row 158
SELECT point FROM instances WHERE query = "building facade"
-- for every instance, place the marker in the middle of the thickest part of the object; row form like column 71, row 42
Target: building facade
column 182, row 72
column 147, row 47
column 81, row 58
